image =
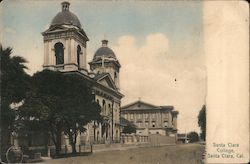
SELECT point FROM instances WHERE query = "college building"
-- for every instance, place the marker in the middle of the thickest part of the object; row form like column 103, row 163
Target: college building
column 150, row 119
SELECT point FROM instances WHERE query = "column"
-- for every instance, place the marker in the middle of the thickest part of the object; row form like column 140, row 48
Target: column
column 170, row 119
column 46, row 54
column 72, row 51
column 100, row 131
column 84, row 57
column 175, row 121
column 66, row 51
column 50, row 53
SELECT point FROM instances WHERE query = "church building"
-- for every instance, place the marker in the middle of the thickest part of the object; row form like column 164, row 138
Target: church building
column 65, row 44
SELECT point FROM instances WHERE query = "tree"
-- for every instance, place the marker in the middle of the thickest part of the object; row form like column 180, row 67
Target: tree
column 62, row 103
column 14, row 85
column 128, row 129
column 202, row 122
column 80, row 108
column 43, row 103
column 193, row 137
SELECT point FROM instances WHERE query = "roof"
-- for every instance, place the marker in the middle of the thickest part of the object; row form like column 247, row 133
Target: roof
column 99, row 76
column 140, row 105
column 65, row 17
column 95, row 81
column 124, row 121
column 106, row 80
column 104, row 51
column 139, row 102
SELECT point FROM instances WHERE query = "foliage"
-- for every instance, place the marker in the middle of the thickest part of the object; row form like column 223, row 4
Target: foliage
column 79, row 108
column 128, row 129
column 193, row 137
column 202, row 122
column 14, row 85
column 61, row 103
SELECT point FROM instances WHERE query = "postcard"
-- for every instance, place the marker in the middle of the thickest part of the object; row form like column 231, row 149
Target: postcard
column 124, row 81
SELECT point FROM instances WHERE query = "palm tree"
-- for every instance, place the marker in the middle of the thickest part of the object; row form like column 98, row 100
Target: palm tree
column 14, row 84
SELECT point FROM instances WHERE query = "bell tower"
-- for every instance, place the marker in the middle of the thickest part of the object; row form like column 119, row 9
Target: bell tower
column 65, row 43
column 105, row 61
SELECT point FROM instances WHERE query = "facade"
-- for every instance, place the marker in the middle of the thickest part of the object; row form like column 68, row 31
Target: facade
column 182, row 138
column 151, row 119
column 65, row 44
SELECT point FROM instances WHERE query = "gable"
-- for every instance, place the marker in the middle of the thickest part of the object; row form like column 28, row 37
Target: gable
column 139, row 105
column 55, row 29
column 107, row 81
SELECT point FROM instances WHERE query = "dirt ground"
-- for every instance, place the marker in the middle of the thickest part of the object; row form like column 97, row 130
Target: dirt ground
column 177, row 154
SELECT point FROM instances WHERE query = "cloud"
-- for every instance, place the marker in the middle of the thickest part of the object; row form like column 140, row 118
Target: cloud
column 152, row 72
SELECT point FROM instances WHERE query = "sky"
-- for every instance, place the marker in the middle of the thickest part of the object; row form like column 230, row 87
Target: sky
column 158, row 43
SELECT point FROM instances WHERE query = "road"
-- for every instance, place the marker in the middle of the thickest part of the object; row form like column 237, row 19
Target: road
column 177, row 154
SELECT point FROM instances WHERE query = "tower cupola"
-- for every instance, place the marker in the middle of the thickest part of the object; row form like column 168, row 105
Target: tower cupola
column 65, row 42
column 65, row 6
column 105, row 61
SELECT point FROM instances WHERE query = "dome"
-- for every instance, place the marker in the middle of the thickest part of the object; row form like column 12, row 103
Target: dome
column 104, row 51
column 66, row 17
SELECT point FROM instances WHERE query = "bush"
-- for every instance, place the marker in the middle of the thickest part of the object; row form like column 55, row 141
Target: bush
column 193, row 137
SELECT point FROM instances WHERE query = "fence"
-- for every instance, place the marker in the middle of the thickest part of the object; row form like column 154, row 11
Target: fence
column 155, row 140
column 133, row 138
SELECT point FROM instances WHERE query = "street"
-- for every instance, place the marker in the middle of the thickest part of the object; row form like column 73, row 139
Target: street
column 177, row 154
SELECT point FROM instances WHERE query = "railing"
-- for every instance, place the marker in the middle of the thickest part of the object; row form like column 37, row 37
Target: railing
column 133, row 138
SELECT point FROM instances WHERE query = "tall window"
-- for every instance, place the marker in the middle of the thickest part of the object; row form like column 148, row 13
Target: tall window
column 115, row 75
column 78, row 55
column 139, row 124
column 153, row 124
column 104, row 106
column 59, row 53
column 165, row 124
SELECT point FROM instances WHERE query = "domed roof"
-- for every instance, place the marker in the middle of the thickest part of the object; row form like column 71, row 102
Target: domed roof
column 66, row 17
column 104, row 51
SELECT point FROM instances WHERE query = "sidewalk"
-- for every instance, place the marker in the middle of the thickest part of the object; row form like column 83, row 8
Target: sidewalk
column 129, row 146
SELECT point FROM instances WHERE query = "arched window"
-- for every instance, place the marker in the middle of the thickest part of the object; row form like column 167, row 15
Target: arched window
column 104, row 106
column 59, row 53
column 78, row 55
column 97, row 137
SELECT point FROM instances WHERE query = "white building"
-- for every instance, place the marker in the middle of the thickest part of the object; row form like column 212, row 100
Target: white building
column 151, row 119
